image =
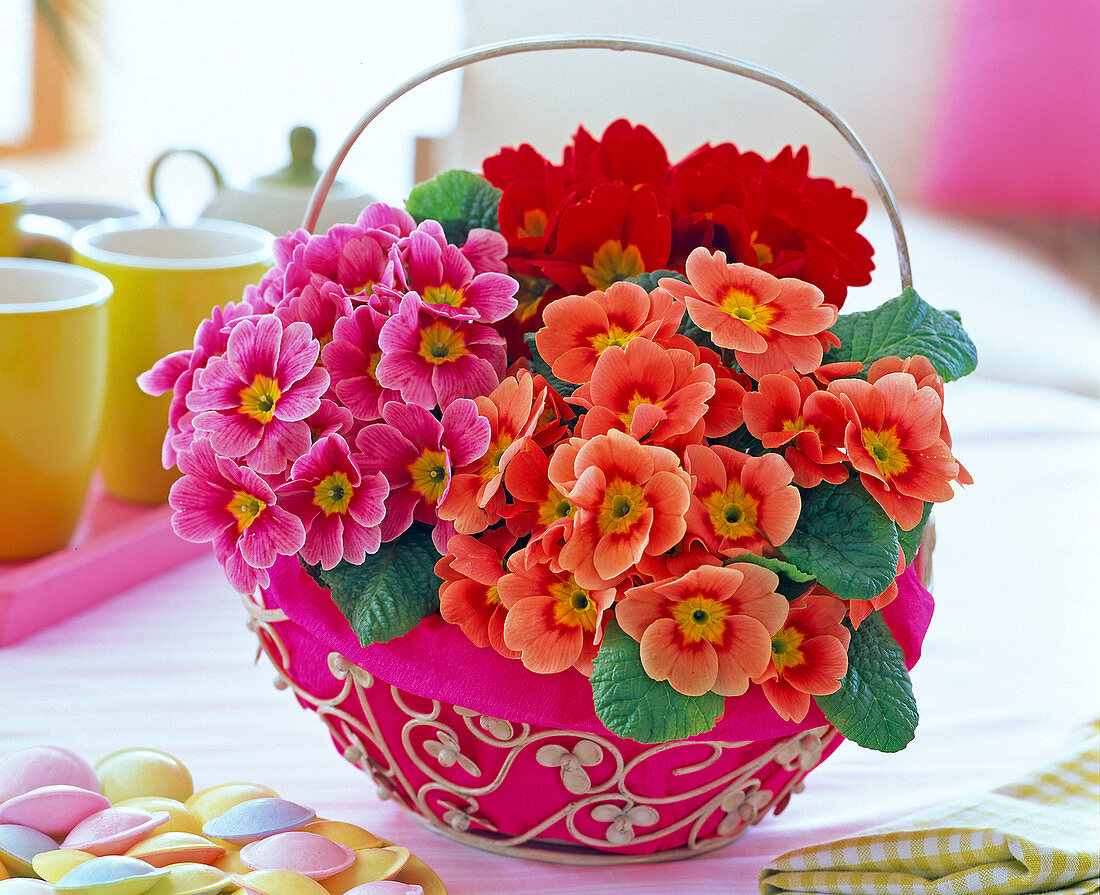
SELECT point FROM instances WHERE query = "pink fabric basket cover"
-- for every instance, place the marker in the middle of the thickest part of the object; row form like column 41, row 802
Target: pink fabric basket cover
column 435, row 661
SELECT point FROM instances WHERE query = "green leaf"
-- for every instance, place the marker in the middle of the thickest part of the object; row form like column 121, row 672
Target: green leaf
column 538, row 365
column 845, row 540
column 902, row 327
column 389, row 593
column 740, row 439
column 874, row 706
column 650, row 280
column 459, row 200
column 910, row 540
column 793, row 582
column 633, row 705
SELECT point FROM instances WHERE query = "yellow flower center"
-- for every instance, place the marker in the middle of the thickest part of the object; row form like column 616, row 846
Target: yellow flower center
column 742, row 304
column 700, row 618
column 623, row 503
column 555, row 507
column 786, row 650
column 615, row 335
column 439, row 344
column 885, row 449
column 572, row 606
column 259, row 399
column 444, row 295
column 490, row 463
column 333, row 493
column 372, row 368
column 246, row 508
column 796, row 425
column 764, row 254
column 534, row 223
column 429, row 475
column 633, row 404
column 732, row 512
column 612, row 263
column 492, row 595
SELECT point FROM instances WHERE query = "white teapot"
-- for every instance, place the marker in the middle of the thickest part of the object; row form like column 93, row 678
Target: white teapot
column 277, row 201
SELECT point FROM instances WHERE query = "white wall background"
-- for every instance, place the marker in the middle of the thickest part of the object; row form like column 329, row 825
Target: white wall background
column 233, row 76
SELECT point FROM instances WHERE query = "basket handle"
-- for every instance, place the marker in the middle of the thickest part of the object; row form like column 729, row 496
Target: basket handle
column 604, row 42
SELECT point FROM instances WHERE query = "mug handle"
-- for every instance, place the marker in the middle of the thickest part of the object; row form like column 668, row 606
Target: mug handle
column 154, row 168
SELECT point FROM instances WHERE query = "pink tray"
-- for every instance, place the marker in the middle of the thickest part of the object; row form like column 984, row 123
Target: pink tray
column 117, row 545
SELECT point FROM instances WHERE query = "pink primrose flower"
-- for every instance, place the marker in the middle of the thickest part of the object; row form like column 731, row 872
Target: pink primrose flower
column 434, row 360
column 352, row 358
column 321, row 303
column 340, row 508
column 176, row 373
column 417, row 454
column 254, row 400
column 486, row 251
column 446, row 280
column 220, row 501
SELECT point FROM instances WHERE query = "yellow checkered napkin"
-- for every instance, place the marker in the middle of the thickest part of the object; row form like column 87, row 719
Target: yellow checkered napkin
column 1038, row 834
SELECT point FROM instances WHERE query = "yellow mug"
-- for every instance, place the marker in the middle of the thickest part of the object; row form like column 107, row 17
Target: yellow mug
column 53, row 340
column 13, row 189
column 167, row 279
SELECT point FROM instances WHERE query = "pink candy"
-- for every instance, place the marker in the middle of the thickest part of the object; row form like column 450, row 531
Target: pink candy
column 53, row 810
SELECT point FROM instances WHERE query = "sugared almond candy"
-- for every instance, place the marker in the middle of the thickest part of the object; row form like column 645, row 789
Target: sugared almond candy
column 36, row 766
column 52, row 865
column 113, row 830
column 257, row 819
column 53, row 809
column 305, row 853
column 132, row 773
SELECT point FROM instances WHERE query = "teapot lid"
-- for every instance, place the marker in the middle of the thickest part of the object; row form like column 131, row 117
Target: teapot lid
column 300, row 171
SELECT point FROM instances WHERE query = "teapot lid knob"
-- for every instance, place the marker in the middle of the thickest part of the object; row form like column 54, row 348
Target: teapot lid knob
column 300, row 171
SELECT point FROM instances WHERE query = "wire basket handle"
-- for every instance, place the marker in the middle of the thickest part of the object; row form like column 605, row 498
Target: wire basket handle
column 607, row 42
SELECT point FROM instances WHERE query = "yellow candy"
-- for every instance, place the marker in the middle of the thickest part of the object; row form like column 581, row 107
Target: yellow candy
column 230, row 862
column 371, row 865
column 190, row 878
column 4, row 872
column 180, row 818
column 346, row 834
column 172, row 848
column 214, row 801
column 279, row 882
column 52, row 865
column 130, row 773
column 417, row 873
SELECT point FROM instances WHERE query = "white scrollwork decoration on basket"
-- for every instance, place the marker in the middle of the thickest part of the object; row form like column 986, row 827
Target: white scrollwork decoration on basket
column 737, row 799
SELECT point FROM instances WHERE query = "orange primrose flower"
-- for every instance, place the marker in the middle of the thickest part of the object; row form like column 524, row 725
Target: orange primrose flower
column 578, row 328
column 552, row 622
column 468, row 596
column 630, row 499
column 771, row 324
column 537, row 504
column 925, row 374
column 809, row 655
column 681, row 558
column 710, row 629
column 789, row 409
column 893, row 440
column 740, row 502
column 513, row 410
column 648, row 391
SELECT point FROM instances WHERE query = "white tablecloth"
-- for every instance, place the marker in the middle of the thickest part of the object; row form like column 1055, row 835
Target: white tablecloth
column 1009, row 668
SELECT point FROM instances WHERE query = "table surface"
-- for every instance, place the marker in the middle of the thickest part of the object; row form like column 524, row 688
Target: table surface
column 1008, row 669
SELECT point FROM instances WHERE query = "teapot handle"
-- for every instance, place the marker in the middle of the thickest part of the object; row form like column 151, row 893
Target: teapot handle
column 154, row 168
